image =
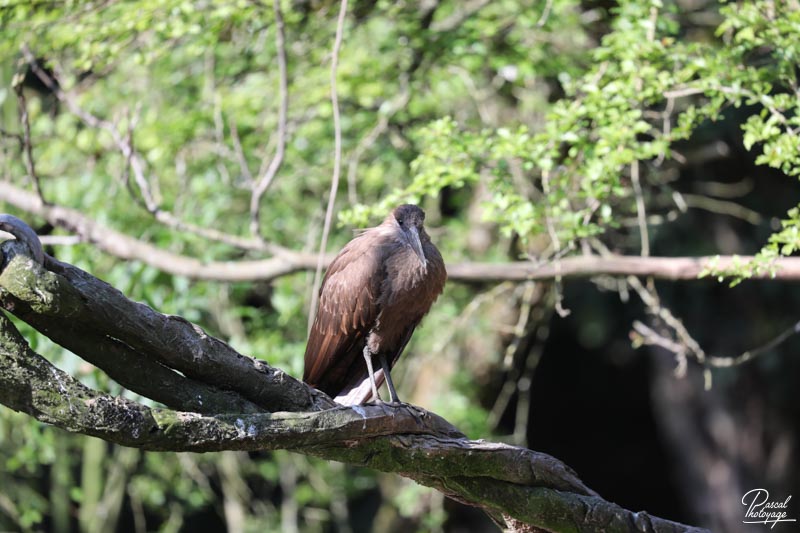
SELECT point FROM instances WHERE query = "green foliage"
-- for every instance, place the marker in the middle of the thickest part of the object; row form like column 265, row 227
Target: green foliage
column 574, row 164
column 760, row 64
column 24, row 449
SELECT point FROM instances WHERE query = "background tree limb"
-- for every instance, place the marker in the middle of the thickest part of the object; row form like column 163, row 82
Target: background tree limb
column 287, row 262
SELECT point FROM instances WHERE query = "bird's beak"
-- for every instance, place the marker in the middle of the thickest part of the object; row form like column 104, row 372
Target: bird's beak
column 412, row 235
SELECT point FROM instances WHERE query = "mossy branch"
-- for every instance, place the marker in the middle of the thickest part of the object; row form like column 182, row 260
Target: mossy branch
column 222, row 400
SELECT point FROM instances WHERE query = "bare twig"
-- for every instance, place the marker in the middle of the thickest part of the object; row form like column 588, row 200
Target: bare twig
column 585, row 266
column 369, row 139
column 221, row 148
column 646, row 335
column 126, row 247
column 136, row 163
column 458, row 18
column 649, row 296
column 722, row 207
column 686, row 343
column 559, row 293
column 525, row 385
column 641, row 213
column 682, row 92
column 545, row 14
column 239, row 151
column 267, row 175
column 337, row 161
column 653, row 23
column 479, row 97
column 531, row 292
column 651, row 337
column 651, row 300
column 461, row 322
column 666, row 127
column 724, row 362
column 132, row 121
column 520, row 377
column 137, row 509
column 725, row 190
column 60, row 240
column 27, row 143
column 765, row 100
column 16, row 136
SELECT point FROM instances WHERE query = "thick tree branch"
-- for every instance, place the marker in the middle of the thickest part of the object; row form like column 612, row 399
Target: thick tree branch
column 24, row 234
column 518, row 487
column 132, row 424
column 69, row 296
column 30, row 384
column 126, row 247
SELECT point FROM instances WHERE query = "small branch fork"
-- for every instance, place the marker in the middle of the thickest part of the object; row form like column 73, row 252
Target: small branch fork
column 681, row 348
column 678, row 340
column 217, row 399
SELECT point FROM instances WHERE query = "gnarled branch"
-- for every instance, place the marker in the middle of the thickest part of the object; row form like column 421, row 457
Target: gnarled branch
column 519, row 488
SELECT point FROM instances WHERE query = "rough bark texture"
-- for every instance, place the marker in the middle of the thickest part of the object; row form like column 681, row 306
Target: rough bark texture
column 219, row 399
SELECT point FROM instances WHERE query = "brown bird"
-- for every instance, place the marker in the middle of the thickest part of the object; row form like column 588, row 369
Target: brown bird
column 374, row 294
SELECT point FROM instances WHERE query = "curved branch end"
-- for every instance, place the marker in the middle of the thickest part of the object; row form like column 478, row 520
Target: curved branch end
column 23, row 233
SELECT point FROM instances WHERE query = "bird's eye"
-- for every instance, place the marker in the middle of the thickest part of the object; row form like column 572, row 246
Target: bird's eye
column 400, row 222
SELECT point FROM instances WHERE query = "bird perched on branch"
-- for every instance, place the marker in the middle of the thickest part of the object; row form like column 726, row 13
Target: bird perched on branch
column 374, row 294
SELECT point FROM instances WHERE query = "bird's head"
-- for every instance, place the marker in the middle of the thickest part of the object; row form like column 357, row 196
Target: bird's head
column 409, row 219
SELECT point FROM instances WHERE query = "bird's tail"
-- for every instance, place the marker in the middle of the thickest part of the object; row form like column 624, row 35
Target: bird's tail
column 360, row 390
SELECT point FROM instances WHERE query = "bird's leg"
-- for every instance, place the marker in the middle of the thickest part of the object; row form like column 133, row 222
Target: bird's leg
column 368, row 359
column 392, row 392
column 416, row 412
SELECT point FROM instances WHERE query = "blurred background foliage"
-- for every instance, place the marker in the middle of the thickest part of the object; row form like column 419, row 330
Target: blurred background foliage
column 526, row 130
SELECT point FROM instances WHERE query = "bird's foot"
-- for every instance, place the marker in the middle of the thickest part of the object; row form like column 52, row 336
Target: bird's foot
column 417, row 413
column 378, row 402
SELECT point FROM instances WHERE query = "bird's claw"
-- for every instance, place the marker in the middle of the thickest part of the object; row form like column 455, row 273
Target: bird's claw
column 417, row 413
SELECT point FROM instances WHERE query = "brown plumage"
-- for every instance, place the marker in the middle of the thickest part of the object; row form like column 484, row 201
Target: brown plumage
column 374, row 294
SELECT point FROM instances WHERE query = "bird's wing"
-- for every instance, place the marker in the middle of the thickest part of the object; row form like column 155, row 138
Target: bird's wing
column 348, row 307
column 356, row 388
